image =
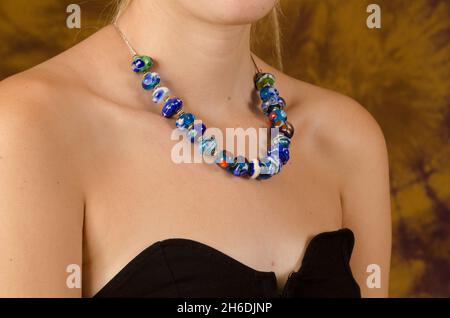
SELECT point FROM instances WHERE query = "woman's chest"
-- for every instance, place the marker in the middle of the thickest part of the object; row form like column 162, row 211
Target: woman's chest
column 140, row 195
column 161, row 198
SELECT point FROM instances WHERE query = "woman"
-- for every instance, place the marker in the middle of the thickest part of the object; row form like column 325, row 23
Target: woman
column 86, row 176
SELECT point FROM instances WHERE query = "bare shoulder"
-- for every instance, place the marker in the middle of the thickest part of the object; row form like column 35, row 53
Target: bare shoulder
column 53, row 96
column 49, row 84
column 41, row 117
column 34, row 102
column 332, row 123
column 41, row 195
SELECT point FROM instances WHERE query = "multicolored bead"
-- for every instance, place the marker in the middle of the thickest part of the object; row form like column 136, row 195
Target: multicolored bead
column 159, row 94
column 150, row 80
column 225, row 159
column 141, row 63
column 254, row 168
column 171, row 107
column 185, row 121
column 281, row 153
column 264, row 79
column 270, row 165
column 281, row 102
column 240, row 166
column 267, row 108
column 269, row 93
column 275, row 166
column 208, row 146
column 278, row 117
column 281, row 140
column 272, row 104
column 284, row 155
column 264, row 173
column 196, row 132
column 287, row 129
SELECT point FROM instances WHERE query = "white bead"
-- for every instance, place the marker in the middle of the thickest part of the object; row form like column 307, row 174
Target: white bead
column 160, row 94
column 256, row 168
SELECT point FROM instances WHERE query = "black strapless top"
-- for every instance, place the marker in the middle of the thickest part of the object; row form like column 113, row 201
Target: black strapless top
column 184, row 268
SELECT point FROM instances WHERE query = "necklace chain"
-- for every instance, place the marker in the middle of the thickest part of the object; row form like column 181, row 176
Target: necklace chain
column 134, row 53
column 125, row 39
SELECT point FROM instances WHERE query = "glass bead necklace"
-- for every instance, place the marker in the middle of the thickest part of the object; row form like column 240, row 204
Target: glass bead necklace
column 273, row 105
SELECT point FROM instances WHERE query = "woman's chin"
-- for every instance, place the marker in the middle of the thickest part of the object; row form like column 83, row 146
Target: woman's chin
column 228, row 12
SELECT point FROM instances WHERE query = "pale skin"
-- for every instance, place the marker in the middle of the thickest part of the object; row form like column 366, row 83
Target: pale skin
column 85, row 170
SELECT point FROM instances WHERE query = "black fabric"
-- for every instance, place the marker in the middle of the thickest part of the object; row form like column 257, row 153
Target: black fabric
column 190, row 269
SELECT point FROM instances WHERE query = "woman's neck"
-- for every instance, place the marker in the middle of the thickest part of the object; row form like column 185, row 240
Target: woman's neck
column 198, row 60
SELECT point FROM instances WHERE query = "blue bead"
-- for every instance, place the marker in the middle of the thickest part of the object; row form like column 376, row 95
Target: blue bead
column 284, row 155
column 159, row 94
column 273, row 99
column 280, row 152
column 271, row 104
column 225, row 160
column 264, row 175
column 137, row 65
column 281, row 141
column 251, row 168
column 276, row 165
column 278, row 117
column 267, row 108
column 208, row 146
column 281, row 102
column 270, row 166
column 185, row 120
column 151, row 80
column 269, row 93
column 240, row 167
column 196, row 132
column 141, row 63
column 171, row 107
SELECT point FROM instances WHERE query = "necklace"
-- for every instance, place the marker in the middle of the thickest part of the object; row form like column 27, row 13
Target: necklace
column 272, row 106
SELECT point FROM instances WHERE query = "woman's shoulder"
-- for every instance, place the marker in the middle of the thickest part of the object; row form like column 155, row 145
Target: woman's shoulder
column 40, row 183
column 43, row 114
column 31, row 97
column 55, row 94
column 38, row 100
column 52, row 80
column 329, row 123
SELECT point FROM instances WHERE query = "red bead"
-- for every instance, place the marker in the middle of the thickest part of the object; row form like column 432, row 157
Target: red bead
column 279, row 123
column 272, row 115
column 225, row 159
column 287, row 129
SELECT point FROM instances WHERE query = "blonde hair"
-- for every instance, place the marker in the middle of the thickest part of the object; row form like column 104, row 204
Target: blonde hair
column 259, row 29
column 120, row 7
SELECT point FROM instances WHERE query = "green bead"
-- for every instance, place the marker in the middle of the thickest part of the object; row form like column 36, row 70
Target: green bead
column 265, row 79
column 142, row 63
column 148, row 61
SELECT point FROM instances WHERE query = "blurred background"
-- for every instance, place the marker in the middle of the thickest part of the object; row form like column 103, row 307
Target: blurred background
column 400, row 73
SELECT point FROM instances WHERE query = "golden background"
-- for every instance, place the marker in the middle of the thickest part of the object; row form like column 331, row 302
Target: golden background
column 399, row 72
